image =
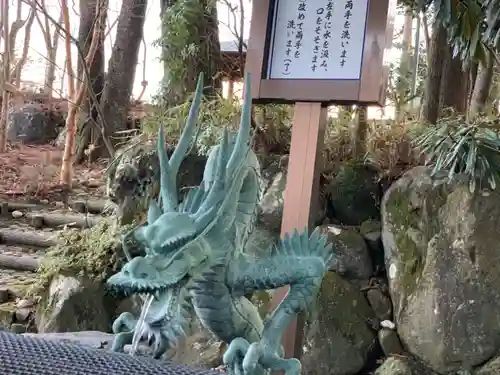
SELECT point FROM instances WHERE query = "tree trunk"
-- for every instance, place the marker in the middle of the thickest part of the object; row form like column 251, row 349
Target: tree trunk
column 88, row 114
column 360, row 133
column 67, row 162
column 6, row 76
column 430, row 110
column 180, row 71
column 120, row 77
column 454, row 83
column 50, row 72
column 403, row 85
column 119, row 83
column 52, row 44
column 473, row 70
column 482, row 86
column 21, row 61
column 77, row 95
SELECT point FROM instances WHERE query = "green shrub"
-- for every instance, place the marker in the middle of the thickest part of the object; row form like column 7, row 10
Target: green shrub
column 456, row 146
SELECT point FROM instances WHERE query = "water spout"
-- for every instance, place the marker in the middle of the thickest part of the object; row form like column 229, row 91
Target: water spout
column 139, row 331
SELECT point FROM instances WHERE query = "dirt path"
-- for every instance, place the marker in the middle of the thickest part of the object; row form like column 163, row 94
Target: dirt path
column 32, row 173
column 32, row 205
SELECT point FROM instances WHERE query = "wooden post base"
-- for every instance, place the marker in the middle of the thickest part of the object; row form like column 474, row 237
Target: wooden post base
column 300, row 196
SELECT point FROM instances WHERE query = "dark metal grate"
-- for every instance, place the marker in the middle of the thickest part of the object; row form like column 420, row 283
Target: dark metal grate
column 20, row 355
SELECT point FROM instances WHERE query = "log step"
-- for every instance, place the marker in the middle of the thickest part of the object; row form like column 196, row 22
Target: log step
column 81, row 206
column 54, row 220
column 13, row 237
column 19, row 263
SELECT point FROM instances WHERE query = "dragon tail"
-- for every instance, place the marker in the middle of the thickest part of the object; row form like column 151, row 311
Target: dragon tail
column 299, row 256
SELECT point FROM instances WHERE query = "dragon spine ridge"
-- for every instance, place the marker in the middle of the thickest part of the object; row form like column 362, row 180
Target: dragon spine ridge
column 194, row 260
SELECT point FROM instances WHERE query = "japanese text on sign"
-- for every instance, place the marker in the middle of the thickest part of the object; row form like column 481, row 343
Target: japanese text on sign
column 318, row 39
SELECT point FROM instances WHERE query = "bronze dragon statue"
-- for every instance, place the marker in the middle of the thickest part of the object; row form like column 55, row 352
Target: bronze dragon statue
column 195, row 261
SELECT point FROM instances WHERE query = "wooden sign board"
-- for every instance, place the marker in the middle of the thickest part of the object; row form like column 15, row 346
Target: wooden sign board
column 327, row 51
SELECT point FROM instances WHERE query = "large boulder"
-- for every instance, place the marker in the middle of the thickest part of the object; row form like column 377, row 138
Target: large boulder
column 339, row 338
column 32, row 124
column 75, row 304
column 441, row 243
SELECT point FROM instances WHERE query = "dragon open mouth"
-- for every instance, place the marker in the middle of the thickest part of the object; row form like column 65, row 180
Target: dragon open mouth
column 144, row 275
column 128, row 286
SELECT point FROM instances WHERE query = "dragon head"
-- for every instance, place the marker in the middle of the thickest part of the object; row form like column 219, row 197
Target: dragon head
column 173, row 235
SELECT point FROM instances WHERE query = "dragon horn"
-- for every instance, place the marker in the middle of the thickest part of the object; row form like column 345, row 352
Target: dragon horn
column 167, row 199
column 169, row 169
column 243, row 137
column 219, row 174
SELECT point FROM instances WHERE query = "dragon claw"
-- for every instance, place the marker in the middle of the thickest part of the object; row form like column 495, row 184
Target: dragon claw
column 243, row 358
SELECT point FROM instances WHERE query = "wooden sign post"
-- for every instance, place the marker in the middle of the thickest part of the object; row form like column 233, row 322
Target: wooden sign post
column 314, row 53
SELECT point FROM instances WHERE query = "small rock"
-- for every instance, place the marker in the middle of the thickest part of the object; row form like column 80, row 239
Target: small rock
column 403, row 366
column 18, row 328
column 371, row 230
column 44, row 201
column 59, row 204
column 351, row 251
column 22, row 315
column 5, row 295
column 388, row 324
column 394, row 366
column 390, row 342
column 17, row 214
column 380, row 303
column 24, row 303
column 93, row 182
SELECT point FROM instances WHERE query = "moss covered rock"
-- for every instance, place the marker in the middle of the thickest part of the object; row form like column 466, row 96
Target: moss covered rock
column 441, row 252
column 490, row 368
column 351, row 251
column 402, row 366
column 273, row 183
column 70, row 280
column 133, row 177
column 75, row 304
column 338, row 337
column 355, row 194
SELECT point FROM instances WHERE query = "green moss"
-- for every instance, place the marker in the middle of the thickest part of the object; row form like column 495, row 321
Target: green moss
column 6, row 312
column 334, row 309
column 355, row 194
column 91, row 252
column 409, row 255
column 407, row 225
column 21, row 285
column 370, row 226
column 354, row 177
column 262, row 299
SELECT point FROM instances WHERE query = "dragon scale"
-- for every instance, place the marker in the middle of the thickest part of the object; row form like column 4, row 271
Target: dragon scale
column 195, row 264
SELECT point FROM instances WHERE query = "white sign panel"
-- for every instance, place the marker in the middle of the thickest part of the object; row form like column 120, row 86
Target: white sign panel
column 318, row 39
